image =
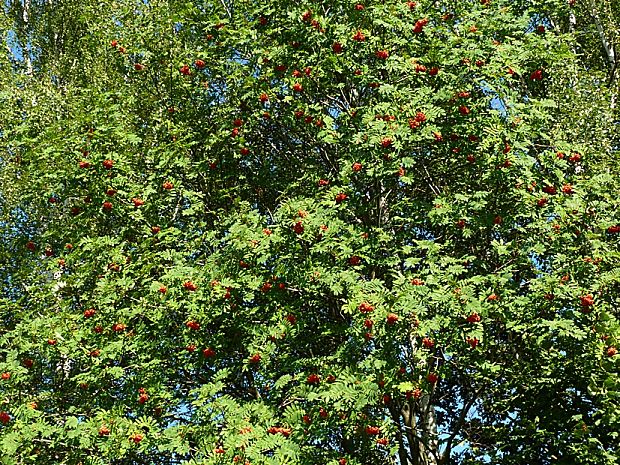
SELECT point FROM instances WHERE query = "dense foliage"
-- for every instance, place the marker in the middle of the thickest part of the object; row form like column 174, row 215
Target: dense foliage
column 308, row 233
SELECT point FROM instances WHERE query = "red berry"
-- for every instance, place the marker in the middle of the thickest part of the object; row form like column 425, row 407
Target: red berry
column 382, row 54
column 419, row 25
column 185, row 70
column 193, row 325
column 208, row 352
column 416, row 393
column 286, row 432
column 298, row 228
column 365, row 307
column 372, row 430
column 118, row 327
column 190, row 286
column 337, row 47
column 586, row 301
column 313, row 379
column 108, row 164
column 536, row 75
column 354, row 260
column 575, row 157
column 89, row 313
column 359, row 36
column 392, row 318
column 473, row 318
column 473, row 342
column 386, row 142
column 413, row 124
column 200, row 64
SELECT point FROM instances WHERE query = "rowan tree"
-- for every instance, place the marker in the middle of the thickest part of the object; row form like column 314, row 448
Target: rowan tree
column 307, row 233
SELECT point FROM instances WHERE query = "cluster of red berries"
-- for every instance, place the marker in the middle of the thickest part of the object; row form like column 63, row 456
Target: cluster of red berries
column 286, row 432
column 365, row 307
column 419, row 26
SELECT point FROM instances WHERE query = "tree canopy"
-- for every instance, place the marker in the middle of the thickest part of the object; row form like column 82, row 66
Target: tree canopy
column 304, row 233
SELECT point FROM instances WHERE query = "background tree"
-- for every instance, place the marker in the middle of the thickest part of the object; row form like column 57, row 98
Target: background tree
column 338, row 232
